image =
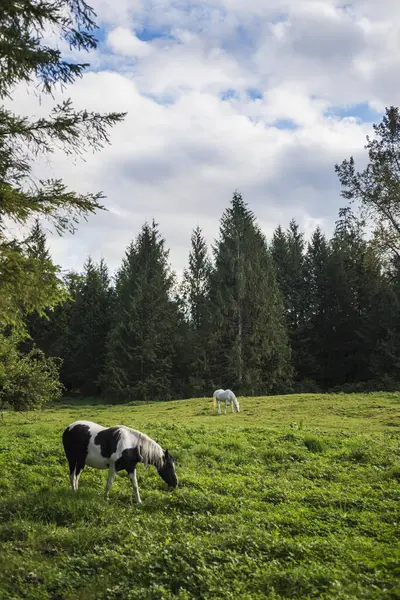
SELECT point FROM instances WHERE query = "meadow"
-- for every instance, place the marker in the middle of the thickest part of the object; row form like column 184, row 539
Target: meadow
column 295, row 497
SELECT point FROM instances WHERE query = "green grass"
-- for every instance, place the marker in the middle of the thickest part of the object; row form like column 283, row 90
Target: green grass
column 295, row 497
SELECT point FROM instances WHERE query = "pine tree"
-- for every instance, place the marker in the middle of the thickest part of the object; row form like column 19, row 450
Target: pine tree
column 140, row 347
column 29, row 284
column 346, row 292
column 385, row 358
column 89, row 322
column 316, row 281
column 287, row 250
column 250, row 345
column 196, row 295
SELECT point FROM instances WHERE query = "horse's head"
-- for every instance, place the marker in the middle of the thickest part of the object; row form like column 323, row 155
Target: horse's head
column 167, row 471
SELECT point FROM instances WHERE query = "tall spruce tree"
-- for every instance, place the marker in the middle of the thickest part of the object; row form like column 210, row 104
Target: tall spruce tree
column 385, row 359
column 347, row 291
column 140, row 347
column 316, row 282
column 287, row 250
column 88, row 326
column 249, row 342
column 196, row 296
column 38, row 326
column 357, row 288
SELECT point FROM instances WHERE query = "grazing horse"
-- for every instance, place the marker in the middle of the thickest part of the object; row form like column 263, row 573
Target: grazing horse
column 115, row 449
column 229, row 397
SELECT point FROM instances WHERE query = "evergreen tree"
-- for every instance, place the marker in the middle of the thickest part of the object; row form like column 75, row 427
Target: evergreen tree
column 140, row 347
column 249, row 342
column 316, row 282
column 28, row 283
column 196, row 295
column 287, row 250
column 385, row 359
column 88, row 326
column 347, row 293
column 38, row 326
column 28, row 379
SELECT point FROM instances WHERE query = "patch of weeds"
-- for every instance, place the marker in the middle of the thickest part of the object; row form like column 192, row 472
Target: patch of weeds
column 314, row 443
column 359, row 453
column 394, row 472
column 275, row 496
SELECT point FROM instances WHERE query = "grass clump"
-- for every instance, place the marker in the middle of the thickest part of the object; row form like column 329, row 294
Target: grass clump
column 314, row 443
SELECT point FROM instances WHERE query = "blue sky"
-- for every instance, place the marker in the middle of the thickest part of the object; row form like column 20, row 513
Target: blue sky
column 260, row 96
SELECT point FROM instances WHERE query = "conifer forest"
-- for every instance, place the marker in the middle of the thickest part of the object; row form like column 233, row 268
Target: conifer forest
column 263, row 316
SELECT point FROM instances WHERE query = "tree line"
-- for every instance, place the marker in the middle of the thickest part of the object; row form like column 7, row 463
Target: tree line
column 260, row 316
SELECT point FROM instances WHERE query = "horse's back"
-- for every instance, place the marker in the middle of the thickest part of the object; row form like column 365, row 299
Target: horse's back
column 93, row 427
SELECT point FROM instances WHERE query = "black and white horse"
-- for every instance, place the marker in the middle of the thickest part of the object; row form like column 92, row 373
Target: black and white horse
column 114, row 448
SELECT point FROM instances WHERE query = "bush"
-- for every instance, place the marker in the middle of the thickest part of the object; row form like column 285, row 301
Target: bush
column 27, row 381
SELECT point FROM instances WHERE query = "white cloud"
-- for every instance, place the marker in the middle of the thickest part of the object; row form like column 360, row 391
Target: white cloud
column 123, row 41
column 187, row 143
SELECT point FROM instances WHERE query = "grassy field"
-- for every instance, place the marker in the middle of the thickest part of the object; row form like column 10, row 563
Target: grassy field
column 295, row 497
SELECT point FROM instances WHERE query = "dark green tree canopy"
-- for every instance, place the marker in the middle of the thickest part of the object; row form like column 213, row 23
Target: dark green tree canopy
column 249, row 336
column 140, row 345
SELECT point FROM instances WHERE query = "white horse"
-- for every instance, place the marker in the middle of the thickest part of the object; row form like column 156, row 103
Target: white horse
column 229, row 397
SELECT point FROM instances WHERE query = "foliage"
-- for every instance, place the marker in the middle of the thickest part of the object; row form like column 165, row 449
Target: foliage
column 30, row 284
column 27, row 381
column 195, row 291
column 249, row 340
column 377, row 187
column 256, row 514
column 89, row 322
column 287, row 250
column 140, row 345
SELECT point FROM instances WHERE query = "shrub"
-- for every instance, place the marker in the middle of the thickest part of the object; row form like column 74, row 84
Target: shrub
column 27, row 381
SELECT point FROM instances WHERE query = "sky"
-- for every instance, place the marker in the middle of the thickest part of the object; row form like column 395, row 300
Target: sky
column 259, row 96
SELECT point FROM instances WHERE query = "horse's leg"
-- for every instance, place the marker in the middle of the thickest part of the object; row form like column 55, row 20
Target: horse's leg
column 72, row 471
column 226, row 404
column 78, row 470
column 219, row 406
column 233, row 410
column 132, row 477
column 111, row 476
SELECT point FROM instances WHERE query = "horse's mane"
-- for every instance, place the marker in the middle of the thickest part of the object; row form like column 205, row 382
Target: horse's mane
column 152, row 453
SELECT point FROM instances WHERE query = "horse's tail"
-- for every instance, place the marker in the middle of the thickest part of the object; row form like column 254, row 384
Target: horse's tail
column 235, row 402
column 215, row 397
